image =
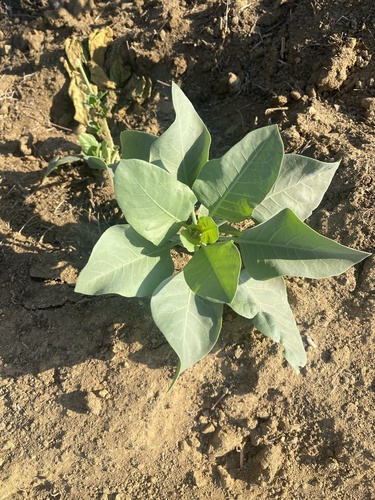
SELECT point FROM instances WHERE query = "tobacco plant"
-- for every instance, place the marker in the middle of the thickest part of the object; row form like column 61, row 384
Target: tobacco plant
column 172, row 195
column 98, row 154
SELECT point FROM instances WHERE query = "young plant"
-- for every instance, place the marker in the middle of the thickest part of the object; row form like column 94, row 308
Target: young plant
column 172, row 195
column 99, row 154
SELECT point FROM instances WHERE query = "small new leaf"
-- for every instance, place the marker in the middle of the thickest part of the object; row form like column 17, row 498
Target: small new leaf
column 208, row 229
column 95, row 163
column 89, row 145
column 188, row 241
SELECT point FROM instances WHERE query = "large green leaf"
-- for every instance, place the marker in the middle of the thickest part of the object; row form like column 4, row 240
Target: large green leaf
column 183, row 148
column 191, row 324
column 243, row 302
column 125, row 263
column 284, row 245
column 231, row 186
column 152, row 200
column 136, row 144
column 213, row 271
column 268, row 302
column 300, row 186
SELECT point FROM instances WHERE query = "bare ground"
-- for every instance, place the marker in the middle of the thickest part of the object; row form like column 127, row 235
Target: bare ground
column 84, row 411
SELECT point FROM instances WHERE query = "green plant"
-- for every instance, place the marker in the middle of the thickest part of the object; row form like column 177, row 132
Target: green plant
column 172, row 195
column 99, row 154
column 94, row 92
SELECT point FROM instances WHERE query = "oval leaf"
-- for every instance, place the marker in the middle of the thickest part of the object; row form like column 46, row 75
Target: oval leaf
column 153, row 202
column 230, row 187
column 183, row 148
column 191, row 324
column 284, row 245
column 273, row 316
column 125, row 263
column 300, row 186
column 95, row 163
column 213, row 271
column 188, row 241
column 89, row 144
column 136, row 144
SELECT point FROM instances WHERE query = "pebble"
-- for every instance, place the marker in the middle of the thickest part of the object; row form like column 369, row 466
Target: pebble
column 295, row 95
column 310, row 91
column 229, row 84
column 5, row 49
column 208, row 429
column 93, row 403
column 280, row 100
column 79, row 7
column 199, row 478
column 225, row 479
column 368, row 103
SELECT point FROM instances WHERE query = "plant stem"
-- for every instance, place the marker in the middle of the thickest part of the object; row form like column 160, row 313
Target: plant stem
column 84, row 76
column 106, row 131
column 193, row 217
column 222, row 223
column 108, row 135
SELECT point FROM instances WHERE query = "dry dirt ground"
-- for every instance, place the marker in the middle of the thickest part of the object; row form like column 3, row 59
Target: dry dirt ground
column 84, row 408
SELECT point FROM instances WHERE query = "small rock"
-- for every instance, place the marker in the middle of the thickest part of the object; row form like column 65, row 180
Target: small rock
column 368, row 103
column 229, row 84
column 292, row 138
column 93, row 403
column 199, row 478
column 32, row 40
column 208, row 428
column 271, row 459
column 333, row 72
column 79, row 7
column 280, row 100
column 180, row 65
column 295, row 95
column 202, row 419
column 183, row 446
column 234, row 83
column 238, row 352
column 311, row 110
column 193, row 441
column 25, row 145
column 225, row 479
column 5, row 49
column 310, row 91
column 226, row 440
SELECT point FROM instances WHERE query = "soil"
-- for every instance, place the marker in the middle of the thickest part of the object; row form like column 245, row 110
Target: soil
column 84, row 407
